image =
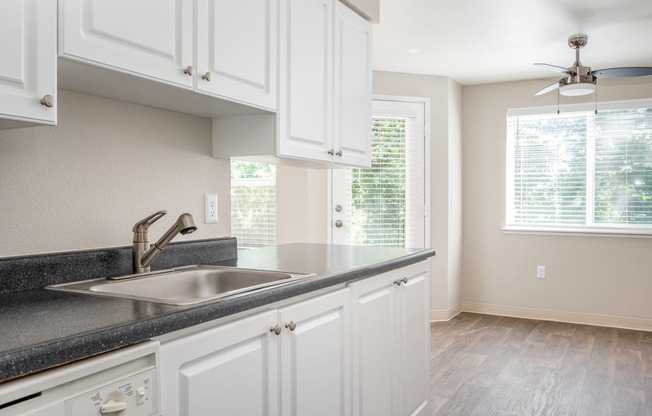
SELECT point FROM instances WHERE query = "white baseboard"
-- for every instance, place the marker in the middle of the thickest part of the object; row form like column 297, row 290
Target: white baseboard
column 445, row 314
column 558, row 316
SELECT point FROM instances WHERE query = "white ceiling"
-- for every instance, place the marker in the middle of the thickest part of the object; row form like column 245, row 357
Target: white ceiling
column 484, row 41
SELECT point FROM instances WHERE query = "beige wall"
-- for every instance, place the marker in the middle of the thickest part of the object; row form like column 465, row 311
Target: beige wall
column 588, row 278
column 301, row 205
column 445, row 167
column 84, row 183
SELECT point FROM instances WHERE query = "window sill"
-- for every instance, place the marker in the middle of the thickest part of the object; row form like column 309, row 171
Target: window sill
column 579, row 231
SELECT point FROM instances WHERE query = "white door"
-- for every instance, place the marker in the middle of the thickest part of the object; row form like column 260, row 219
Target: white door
column 28, row 72
column 149, row 38
column 228, row 370
column 387, row 203
column 352, row 135
column 306, row 85
column 236, row 50
column 315, row 357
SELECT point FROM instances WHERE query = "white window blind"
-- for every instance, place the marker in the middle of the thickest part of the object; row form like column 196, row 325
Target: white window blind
column 581, row 170
column 378, row 193
column 253, row 203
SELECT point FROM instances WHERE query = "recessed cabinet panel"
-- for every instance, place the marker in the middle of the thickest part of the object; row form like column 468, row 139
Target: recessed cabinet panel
column 315, row 358
column 231, row 380
column 372, row 346
column 13, row 21
column 28, row 70
column 237, row 47
column 414, row 337
column 390, row 339
column 306, row 68
column 227, row 370
column 124, row 25
column 352, row 87
column 150, row 38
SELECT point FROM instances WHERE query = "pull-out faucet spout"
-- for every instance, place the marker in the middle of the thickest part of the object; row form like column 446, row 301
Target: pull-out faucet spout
column 144, row 255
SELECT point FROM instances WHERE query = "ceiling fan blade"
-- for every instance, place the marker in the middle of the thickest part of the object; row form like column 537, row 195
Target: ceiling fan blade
column 547, row 89
column 554, row 68
column 625, row 72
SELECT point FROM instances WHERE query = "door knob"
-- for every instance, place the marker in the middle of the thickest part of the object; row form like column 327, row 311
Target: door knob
column 207, row 76
column 291, row 325
column 339, row 223
column 189, row 70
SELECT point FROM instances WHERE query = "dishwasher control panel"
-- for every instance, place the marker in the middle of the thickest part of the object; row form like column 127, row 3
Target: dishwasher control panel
column 123, row 382
column 131, row 396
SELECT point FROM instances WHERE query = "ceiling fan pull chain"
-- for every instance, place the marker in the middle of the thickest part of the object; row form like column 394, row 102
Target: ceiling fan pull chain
column 596, row 99
column 557, row 102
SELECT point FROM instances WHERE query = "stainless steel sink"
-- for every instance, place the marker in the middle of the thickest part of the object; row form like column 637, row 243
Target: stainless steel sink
column 185, row 285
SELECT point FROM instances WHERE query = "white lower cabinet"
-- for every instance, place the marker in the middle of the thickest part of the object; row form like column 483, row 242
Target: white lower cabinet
column 290, row 361
column 362, row 350
column 390, row 343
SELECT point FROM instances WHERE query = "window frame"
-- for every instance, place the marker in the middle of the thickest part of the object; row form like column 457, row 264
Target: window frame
column 589, row 228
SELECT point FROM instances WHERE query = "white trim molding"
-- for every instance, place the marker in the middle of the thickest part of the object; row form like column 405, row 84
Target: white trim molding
column 558, row 316
column 445, row 314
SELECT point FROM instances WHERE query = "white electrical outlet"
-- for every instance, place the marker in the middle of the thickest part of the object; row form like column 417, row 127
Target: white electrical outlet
column 541, row 272
column 210, row 208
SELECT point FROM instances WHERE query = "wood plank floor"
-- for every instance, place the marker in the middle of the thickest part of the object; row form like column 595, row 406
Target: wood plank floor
column 489, row 365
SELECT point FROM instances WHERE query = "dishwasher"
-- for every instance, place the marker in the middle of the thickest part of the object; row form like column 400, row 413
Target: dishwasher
column 123, row 382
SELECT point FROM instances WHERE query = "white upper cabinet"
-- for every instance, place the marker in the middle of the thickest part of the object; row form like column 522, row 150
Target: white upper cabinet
column 352, row 135
column 237, row 50
column 222, row 48
column 306, row 65
column 325, row 84
column 28, row 73
column 148, row 38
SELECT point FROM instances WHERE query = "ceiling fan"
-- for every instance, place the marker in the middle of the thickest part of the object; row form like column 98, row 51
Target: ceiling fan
column 579, row 79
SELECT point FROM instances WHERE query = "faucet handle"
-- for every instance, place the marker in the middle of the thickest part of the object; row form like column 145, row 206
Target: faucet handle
column 142, row 225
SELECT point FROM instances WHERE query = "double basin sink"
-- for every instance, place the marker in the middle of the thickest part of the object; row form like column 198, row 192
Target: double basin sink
column 184, row 285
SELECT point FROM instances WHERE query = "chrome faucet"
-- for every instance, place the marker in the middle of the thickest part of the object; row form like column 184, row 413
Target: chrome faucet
column 144, row 255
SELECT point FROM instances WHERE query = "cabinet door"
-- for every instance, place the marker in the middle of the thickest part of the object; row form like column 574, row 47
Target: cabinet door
column 306, row 82
column 413, row 303
column 352, row 88
column 315, row 355
column 373, row 345
column 28, row 29
column 228, row 370
column 149, row 38
column 237, row 50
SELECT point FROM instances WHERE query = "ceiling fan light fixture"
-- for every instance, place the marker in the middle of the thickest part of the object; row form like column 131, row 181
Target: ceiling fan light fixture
column 577, row 89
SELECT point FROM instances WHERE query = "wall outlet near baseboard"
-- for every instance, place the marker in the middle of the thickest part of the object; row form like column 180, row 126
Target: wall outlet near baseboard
column 541, row 272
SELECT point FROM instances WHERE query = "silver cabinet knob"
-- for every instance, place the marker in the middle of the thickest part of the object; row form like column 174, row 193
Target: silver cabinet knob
column 47, row 101
column 189, row 70
column 291, row 325
column 276, row 329
column 339, row 153
column 338, row 208
column 404, row 280
column 331, row 152
column 339, row 224
column 397, row 282
column 207, row 76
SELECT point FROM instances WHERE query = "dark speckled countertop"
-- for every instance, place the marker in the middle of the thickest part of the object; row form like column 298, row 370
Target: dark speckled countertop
column 43, row 328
